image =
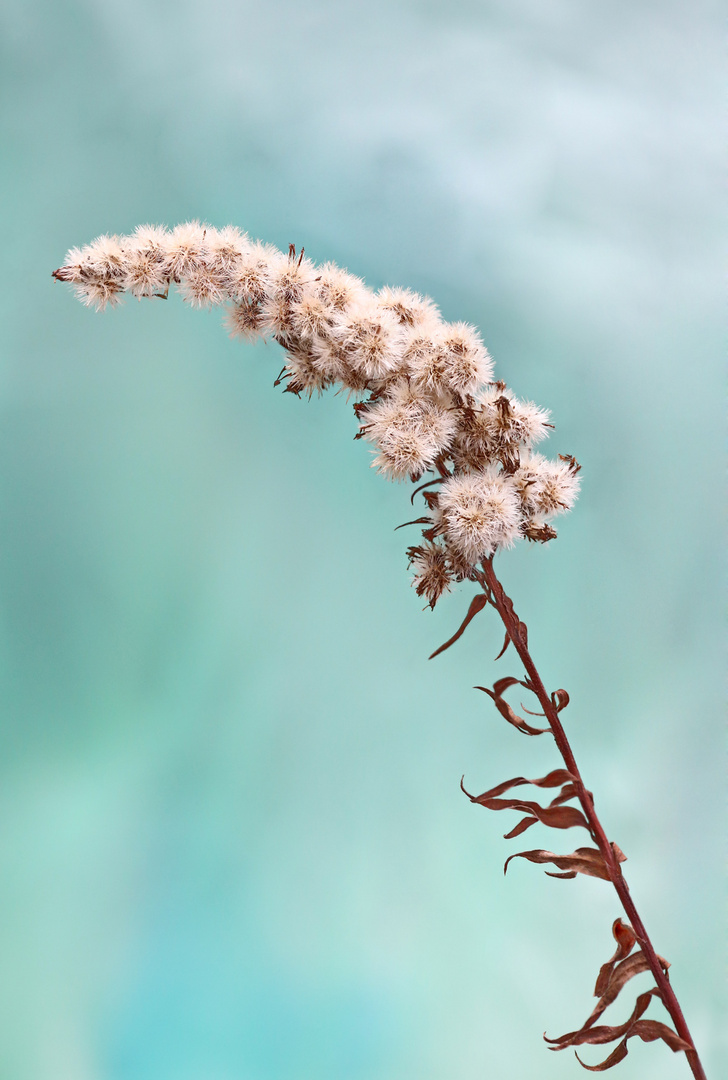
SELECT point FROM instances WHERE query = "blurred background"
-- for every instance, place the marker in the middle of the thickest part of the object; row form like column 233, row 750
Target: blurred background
column 232, row 840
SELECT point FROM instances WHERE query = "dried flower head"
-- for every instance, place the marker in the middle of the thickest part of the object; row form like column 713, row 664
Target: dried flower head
column 433, row 574
column 185, row 247
column 409, row 308
column 547, row 488
column 409, row 431
column 245, row 320
column 480, row 512
column 145, row 265
column 425, row 399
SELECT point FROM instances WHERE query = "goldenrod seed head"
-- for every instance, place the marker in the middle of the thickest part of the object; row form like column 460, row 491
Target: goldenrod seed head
column 372, row 339
column 338, row 288
column 185, row 247
column 249, row 277
column 244, row 321
column 480, row 512
column 433, row 574
column 409, row 308
column 410, row 432
column 427, row 402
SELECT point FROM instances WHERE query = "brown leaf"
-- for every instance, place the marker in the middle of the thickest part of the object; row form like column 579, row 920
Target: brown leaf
column 613, row 976
column 417, row 521
column 615, row 980
column 649, row 1030
column 428, row 483
column 567, row 792
column 506, row 643
column 618, row 853
column 625, row 937
column 558, row 817
column 523, row 824
column 476, row 604
column 552, row 779
column 522, row 628
column 505, row 709
column 560, row 699
column 587, row 861
column 530, row 711
column 554, row 815
column 502, row 684
column 618, row 1054
column 604, row 1033
column 621, row 974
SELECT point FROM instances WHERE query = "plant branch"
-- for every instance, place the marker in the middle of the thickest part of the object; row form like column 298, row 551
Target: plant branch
column 516, row 632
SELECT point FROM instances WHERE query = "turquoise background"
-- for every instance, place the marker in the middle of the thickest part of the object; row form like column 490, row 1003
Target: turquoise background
column 232, row 841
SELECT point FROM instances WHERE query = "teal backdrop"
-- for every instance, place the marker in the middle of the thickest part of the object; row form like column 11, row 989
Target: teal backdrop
column 232, row 840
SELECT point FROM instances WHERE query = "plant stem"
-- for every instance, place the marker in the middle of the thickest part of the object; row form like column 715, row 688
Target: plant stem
column 504, row 605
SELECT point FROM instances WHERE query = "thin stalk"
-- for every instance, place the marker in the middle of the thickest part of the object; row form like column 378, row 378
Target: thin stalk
column 504, row 606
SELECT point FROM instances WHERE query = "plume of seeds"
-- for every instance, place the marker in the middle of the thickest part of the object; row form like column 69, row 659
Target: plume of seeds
column 425, row 395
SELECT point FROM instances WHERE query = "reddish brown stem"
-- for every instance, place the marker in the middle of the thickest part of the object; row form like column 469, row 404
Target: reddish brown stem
column 504, row 606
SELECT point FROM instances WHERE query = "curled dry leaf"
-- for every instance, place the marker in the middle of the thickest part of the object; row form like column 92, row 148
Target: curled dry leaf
column 648, row 1031
column 620, row 976
column 522, row 628
column 584, row 860
column 625, row 937
column 476, row 604
column 417, row 521
column 560, row 699
column 619, row 969
column 506, row 643
column 555, row 815
column 612, row 977
column 428, row 483
column 552, row 779
column 530, row 712
column 604, row 1033
column 505, row 709
column 567, row 792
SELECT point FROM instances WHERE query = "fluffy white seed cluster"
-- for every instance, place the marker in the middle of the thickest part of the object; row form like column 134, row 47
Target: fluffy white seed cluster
column 426, row 399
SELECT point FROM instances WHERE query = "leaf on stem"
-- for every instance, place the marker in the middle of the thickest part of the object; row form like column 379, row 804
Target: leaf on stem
column 417, row 521
column 505, row 709
column 476, row 604
column 604, row 1033
column 647, row 1030
column 613, row 976
column 567, row 792
column 560, row 699
column 522, row 628
column 506, row 643
column 584, row 860
column 555, row 814
column 625, row 937
column 552, row 779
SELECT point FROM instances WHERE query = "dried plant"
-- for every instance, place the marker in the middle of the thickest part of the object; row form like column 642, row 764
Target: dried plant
column 426, row 400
